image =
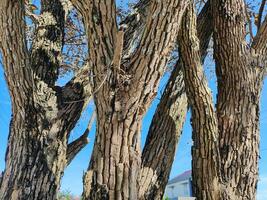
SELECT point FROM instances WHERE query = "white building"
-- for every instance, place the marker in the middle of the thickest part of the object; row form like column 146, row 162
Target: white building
column 180, row 187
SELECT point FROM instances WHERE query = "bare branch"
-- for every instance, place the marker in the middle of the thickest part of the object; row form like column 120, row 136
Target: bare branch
column 260, row 40
column 263, row 2
column 76, row 95
column 76, row 146
column 82, row 77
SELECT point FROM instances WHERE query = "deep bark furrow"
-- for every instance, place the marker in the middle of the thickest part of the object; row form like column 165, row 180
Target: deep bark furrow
column 122, row 102
column 239, row 86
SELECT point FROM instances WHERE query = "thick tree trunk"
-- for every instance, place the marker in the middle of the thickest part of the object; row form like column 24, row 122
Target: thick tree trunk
column 37, row 151
column 116, row 157
column 34, row 162
column 239, row 140
column 42, row 114
column 124, row 91
column 239, row 88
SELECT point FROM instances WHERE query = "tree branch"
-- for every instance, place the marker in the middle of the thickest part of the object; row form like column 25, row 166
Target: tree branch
column 205, row 150
column 148, row 62
column 263, row 2
column 14, row 49
column 158, row 38
column 75, row 96
column 260, row 41
column 161, row 143
column 76, row 146
column 164, row 133
column 48, row 42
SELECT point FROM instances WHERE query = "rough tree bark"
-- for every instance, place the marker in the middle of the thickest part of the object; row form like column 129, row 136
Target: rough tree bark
column 126, row 63
column 125, row 85
column 226, row 145
column 42, row 114
column 239, row 72
column 167, row 123
column 205, row 152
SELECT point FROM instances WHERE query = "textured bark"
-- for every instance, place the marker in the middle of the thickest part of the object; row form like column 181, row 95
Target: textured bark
column 239, row 72
column 162, row 139
column 123, row 92
column 42, row 114
column 205, row 154
column 126, row 62
column 167, row 123
column 233, row 172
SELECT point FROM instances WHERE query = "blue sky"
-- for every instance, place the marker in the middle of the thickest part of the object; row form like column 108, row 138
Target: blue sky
column 72, row 179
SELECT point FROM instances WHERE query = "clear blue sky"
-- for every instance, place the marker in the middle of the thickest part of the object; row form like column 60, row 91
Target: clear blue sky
column 72, row 179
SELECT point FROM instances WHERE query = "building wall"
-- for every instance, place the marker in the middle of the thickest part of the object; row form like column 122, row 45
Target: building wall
column 179, row 189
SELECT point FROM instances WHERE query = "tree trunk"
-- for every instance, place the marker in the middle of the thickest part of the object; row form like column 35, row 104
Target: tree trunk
column 42, row 114
column 167, row 123
column 124, row 91
column 37, row 151
column 115, row 160
column 239, row 88
column 34, row 162
column 205, row 154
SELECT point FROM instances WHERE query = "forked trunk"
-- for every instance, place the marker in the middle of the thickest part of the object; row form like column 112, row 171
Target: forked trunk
column 125, row 83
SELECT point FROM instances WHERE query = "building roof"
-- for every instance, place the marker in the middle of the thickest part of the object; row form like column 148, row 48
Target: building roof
column 181, row 177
